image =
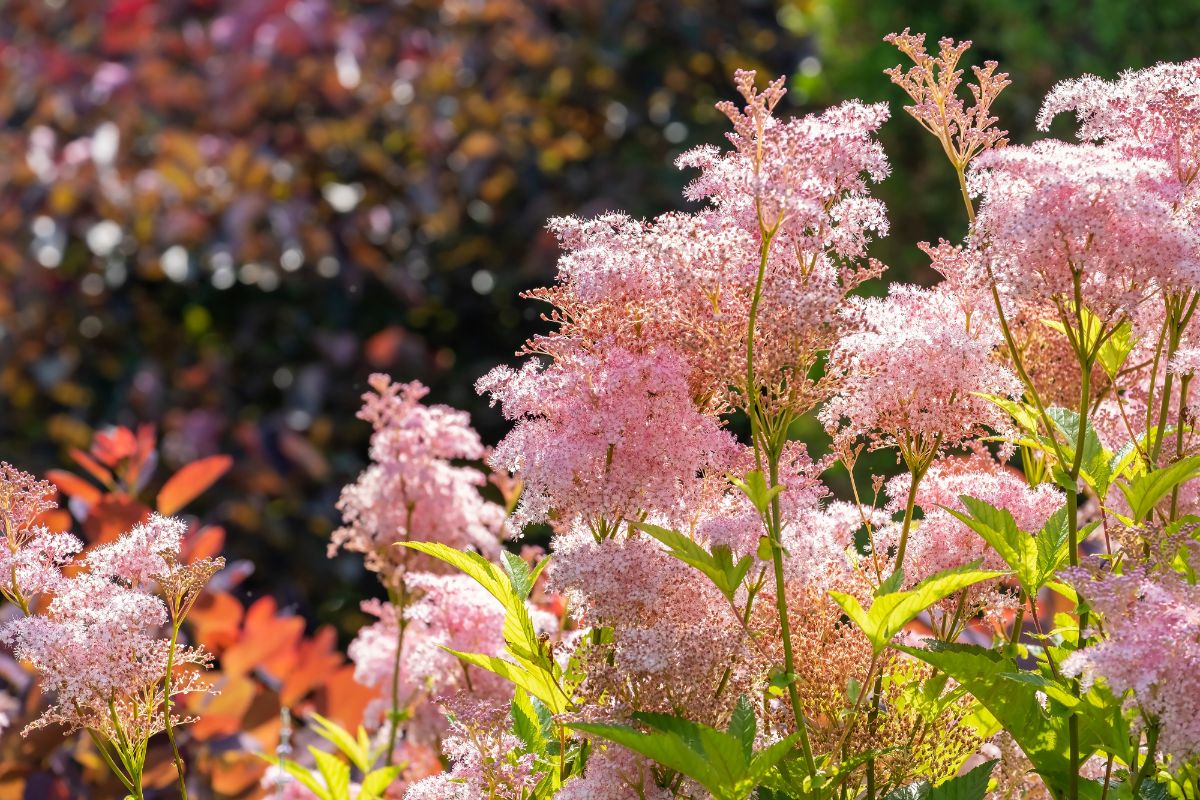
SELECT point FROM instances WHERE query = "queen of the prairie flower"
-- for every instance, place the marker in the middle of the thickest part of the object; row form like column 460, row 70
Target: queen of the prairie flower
column 912, row 374
column 99, row 645
column 414, row 490
column 1153, row 112
column 1065, row 223
column 1150, row 648
column 606, row 437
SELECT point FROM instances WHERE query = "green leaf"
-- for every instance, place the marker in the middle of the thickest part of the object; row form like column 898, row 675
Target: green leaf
column 889, row 613
column 998, row 528
column 1025, row 415
column 743, row 725
column 972, row 785
column 719, row 566
column 912, row 791
column 718, row 761
column 375, row 783
column 1041, row 733
column 340, row 738
column 892, row 584
column 1052, row 543
column 529, row 677
column 754, row 486
column 519, row 575
column 1094, row 467
column 519, row 632
column 1116, row 349
column 303, row 775
column 335, row 772
column 1144, row 492
column 527, row 726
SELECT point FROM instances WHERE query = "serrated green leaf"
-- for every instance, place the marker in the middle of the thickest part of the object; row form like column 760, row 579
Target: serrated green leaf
column 719, row 566
column 1146, row 491
column 518, row 630
column 743, row 725
column 717, row 760
column 1052, row 543
column 1014, row 704
column 1094, row 467
column 754, row 486
column 529, row 677
column 912, row 791
column 375, row 783
column 519, row 575
column 891, row 584
column 972, row 785
column 665, row 748
column 303, row 775
column 1025, row 415
column 1116, row 349
column 340, row 738
column 998, row 528
column 526, row 725
column 889, row 613
column 335, row 772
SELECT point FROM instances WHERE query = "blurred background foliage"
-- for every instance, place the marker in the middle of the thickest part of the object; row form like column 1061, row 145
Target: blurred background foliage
column 218, row 216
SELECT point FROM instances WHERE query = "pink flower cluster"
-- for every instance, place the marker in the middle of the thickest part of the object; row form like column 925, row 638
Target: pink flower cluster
column 913, row 372
column 413, row 490
column 99, row 645
column 606, row 438
column 1152, row 112
column 453, row 612
column 941, row 541
column 1150, row 647
column 1054, row 215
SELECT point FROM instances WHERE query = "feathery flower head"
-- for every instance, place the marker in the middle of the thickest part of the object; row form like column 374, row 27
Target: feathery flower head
column 802, row 177
column 911, row 373
column 413, row 490
column 932, row 82
column 99, row 649
column 1054, row 215
column 940, row 541
column 23, row 498
column 1153, row 112
column 605, row 437
column 139, row 555
column 1151, row 648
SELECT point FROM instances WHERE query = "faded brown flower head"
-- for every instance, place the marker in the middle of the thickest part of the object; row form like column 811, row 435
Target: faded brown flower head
column 22, row 499
column 932, row 82
column 181, row 584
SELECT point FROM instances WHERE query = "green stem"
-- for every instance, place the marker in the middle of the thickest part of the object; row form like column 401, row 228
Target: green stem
column 179, row 767
column 1147, row 765
column 789, row 659
column 917, row 472
column 394, row 716
column 773, row 520
column 909, row 507
column 102, row 748
column 1184, row 384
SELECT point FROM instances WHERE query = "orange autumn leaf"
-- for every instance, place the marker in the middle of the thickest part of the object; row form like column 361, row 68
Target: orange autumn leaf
column 221, row 714
column 111, row 516
column 345, row 699
column 205, row 543
column 317, row 658
column 265, row 636
column 74, row 486
column 234, row 773
column 187, row 484
column 94, row 468
column 216, row 621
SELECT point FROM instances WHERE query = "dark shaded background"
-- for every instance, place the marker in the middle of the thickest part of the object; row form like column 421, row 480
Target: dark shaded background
column 220, row 216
